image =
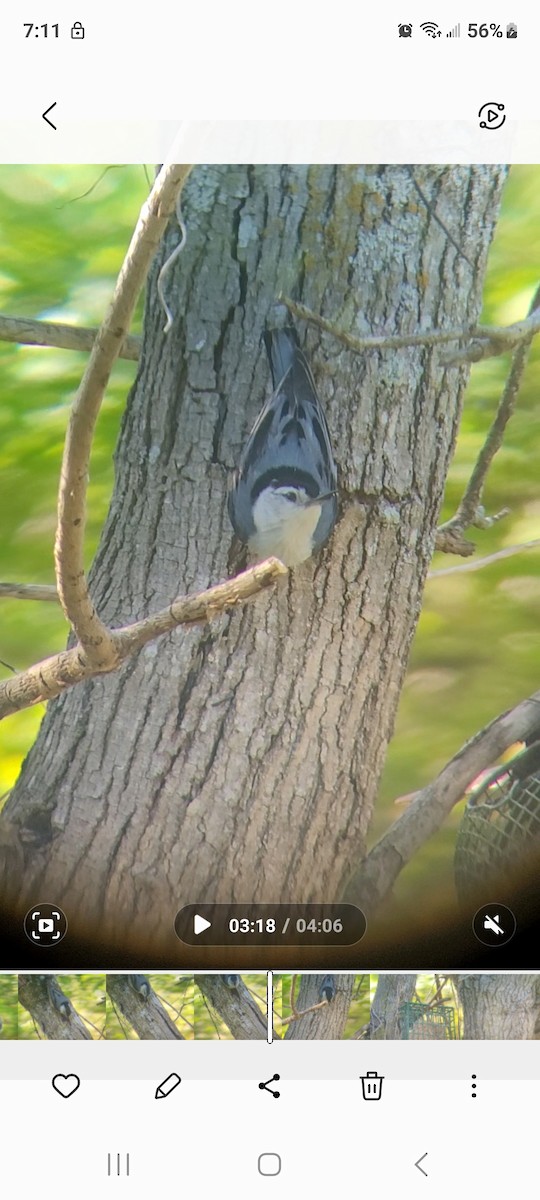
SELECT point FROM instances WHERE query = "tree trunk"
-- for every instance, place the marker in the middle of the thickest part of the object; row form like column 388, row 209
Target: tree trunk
column 241, row 761
column 499, row 1007
column 145, row 1014
column 57, row 1023
column 235, row 1006
column 392, row 991
column 328, row 1022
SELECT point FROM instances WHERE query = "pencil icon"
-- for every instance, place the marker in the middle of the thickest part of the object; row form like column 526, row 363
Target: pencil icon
column 167, row 1086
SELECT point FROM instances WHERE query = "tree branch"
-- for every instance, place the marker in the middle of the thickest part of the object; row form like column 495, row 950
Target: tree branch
column 54, row 675
column 432, row 804
column 96, row 641
column 28, row 591
column 29, row 332
column 478, row 563
column 486, row 340
column 470, row 510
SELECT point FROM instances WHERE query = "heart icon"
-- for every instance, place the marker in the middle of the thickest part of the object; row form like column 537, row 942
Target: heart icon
column 66, row 1085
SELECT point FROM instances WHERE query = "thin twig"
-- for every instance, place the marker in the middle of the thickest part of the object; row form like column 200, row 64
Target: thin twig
column 430, row 205
column 385, row 341
column 470, row 511
column 478, row 563
column 29, row 332
column 492, row 340
column 433, row 803
column 497, row 339
column 54, row 675
column 96, row 641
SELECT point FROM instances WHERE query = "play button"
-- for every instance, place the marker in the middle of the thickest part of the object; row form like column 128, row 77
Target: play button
column 200, row 924
column 492, row 116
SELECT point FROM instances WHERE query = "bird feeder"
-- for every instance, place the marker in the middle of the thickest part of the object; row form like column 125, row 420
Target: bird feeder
column 500, row 829
column 427, row 1022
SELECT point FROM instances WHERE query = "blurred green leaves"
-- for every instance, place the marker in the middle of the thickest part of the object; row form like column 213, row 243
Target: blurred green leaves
column 61, row 253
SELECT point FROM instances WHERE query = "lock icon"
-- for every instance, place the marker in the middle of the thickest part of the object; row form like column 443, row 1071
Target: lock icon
column 77, row 30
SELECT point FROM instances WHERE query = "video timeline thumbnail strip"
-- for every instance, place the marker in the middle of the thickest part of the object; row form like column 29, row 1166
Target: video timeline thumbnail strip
column 235, row 1007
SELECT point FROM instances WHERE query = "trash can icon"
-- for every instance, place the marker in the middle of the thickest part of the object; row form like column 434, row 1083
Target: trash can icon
column 372, row 1085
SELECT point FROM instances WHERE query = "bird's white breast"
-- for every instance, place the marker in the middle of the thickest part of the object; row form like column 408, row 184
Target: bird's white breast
column 288, row 537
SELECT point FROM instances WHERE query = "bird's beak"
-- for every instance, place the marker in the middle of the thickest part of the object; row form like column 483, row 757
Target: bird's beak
column 323, row 496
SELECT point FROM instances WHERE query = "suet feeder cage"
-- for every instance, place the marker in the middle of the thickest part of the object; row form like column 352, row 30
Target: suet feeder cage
column 427, row 1022
column 500, row 828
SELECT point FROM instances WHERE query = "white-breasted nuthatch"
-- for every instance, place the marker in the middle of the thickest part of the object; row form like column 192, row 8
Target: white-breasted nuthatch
column 327, row 989
column 232, row 981
column 57, row 997
column 140, row 985
column 282, row 500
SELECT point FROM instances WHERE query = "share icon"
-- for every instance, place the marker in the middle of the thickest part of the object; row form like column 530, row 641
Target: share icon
column 264, row 1087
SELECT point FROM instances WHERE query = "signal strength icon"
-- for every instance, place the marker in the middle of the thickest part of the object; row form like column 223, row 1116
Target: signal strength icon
column 454, row 32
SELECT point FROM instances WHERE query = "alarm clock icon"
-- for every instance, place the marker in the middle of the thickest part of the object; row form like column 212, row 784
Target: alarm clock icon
column 405, row 30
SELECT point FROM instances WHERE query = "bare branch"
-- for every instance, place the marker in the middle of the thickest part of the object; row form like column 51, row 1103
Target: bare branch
column 470, row 510
column 450, row 539
column 385, row 341
column 432, row 211
column 28, row 591
column 478, row 563
column 432, row 804
column 29, row 332
column 54, row 675
column 491, row 340
column 485, row 340
column 95, row 641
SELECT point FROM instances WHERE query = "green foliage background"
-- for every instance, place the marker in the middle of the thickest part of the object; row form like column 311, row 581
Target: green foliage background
column 176, row 995
column 476, row 652
column 8, row 1007
column 359, row 1008
column 88, row 997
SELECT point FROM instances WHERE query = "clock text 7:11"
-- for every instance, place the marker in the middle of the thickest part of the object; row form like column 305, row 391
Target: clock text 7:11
column 41, row 30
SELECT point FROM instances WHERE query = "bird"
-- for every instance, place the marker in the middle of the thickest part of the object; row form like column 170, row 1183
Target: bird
column 140, row 985
column 282, row 498
column 327, row 989
column 231, row 981
column 57, row 997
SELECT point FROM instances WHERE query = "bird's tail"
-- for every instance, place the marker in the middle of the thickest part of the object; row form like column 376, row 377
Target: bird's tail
column 282, row 349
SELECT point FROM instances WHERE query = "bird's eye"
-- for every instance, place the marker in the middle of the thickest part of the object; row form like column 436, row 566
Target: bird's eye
column 292, row 496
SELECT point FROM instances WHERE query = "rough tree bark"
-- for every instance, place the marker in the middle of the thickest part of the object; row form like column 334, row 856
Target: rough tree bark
column 236, row 1007
column 392, row 991
column 502, row 1007
column 241, row 761
column 326, row 1023
column 147, row 1016
column 56, row 1026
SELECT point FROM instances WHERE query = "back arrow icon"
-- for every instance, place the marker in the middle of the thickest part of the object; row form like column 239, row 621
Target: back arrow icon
column 45, row 117
column 417, row 1164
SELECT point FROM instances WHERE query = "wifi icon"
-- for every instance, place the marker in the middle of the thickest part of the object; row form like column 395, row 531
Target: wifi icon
column 431, row 28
